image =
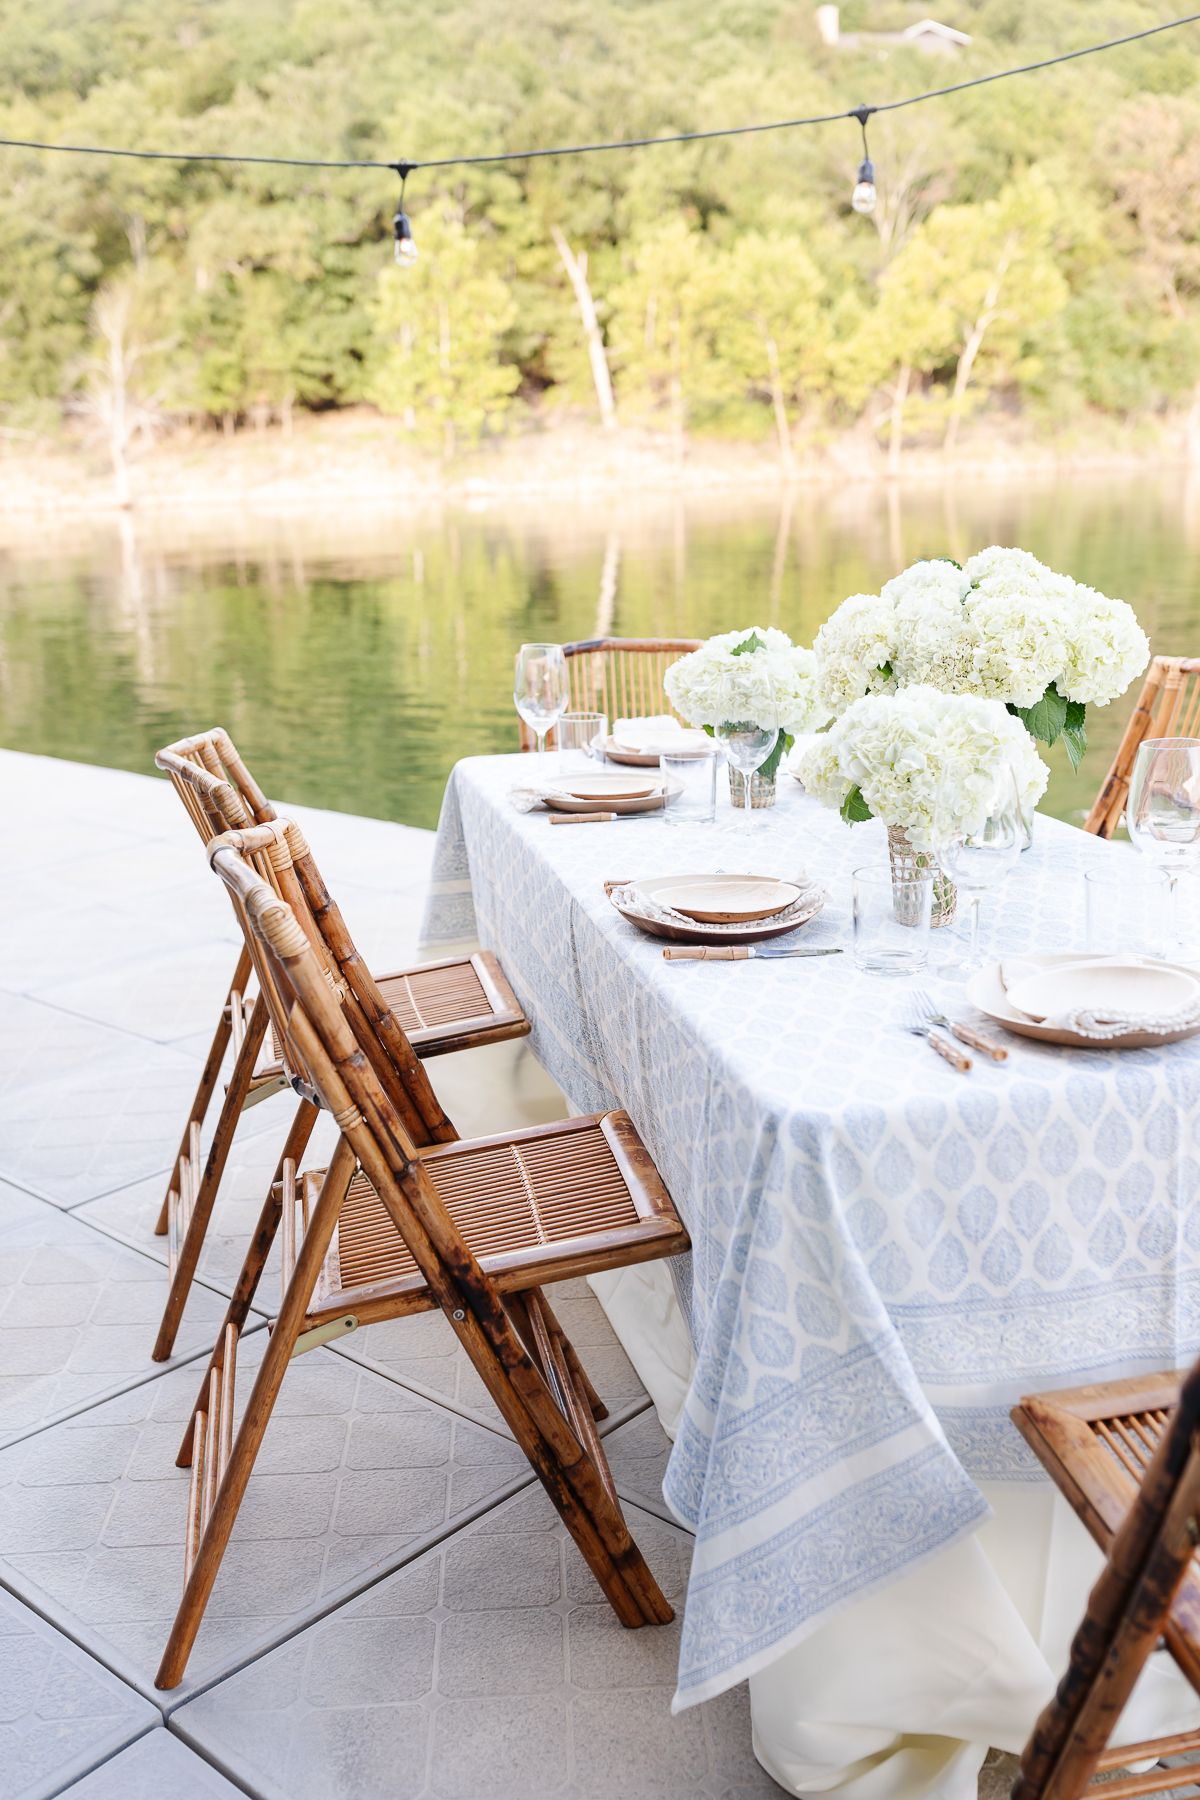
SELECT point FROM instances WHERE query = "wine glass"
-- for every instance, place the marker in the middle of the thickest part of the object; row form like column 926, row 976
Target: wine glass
column 746, row 743
column 1162, row 814
column 978, row 860
column 540, row 691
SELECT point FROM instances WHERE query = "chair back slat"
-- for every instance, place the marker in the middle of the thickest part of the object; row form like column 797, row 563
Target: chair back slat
column 1127, row 1609
column 1168, row 706
column 619, row 677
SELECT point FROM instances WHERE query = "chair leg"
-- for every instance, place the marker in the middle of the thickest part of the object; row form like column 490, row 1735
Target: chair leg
column 209, row 1077
column 190, row 1206
column 548, row 1344
column 217, row 1489
column 254, row 1261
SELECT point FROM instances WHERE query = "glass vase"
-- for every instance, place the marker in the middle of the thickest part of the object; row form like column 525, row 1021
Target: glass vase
column 762, row 789
column 906, row 861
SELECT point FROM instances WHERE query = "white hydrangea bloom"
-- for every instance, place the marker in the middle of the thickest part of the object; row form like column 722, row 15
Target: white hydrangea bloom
column 1020, row 639
column 1105, row 648
column 1017, row 567
column 854, row 647
column 774, row 685
column 933, row 763
column 929, row 582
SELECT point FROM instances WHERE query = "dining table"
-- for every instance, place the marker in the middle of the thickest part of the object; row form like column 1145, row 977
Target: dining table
column 886, row 1254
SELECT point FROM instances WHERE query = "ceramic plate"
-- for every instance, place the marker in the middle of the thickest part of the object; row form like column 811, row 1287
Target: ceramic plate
column 653, row 801
column 636, row 759
column 608, row 787
column 986, row 991
column 723, row 899
column 1105, row 985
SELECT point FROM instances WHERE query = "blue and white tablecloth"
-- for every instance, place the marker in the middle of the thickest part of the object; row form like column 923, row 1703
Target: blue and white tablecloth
column 886, row 1253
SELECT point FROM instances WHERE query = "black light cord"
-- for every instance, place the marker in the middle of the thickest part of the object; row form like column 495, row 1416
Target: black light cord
column 861, row 113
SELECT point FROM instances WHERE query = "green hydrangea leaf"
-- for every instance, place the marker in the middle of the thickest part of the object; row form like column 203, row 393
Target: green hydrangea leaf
column 854, row 808
column 1074, row 732
column 1046, row 718
column 749, row 645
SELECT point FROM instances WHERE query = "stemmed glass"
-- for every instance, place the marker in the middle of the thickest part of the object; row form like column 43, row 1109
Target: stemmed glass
column 540, row 691
column 1162, row 814
column 746, row 744
column 977, row 861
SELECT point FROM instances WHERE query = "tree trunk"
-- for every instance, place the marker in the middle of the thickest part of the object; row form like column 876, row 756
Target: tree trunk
column 973, row 344
column 782, row 426
column 896, row 420
column 606, row 600
column 118, row 426
column 576, row 267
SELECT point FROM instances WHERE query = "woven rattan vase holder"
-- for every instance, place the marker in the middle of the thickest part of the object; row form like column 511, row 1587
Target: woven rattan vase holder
column 762, row 789
column 908, row 863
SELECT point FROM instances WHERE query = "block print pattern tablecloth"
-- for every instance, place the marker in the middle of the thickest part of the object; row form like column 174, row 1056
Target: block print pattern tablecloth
column 885, row 1253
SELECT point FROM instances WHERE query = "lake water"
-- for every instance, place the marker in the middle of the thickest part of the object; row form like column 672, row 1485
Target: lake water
column 353, row 659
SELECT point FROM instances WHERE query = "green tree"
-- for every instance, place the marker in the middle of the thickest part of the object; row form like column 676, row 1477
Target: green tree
column 441, row 325
column 773, row 329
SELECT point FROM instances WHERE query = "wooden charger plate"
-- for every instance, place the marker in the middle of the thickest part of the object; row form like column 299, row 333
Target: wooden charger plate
column 986, row 991
column 567, row 803
column 594, row 788
column 811, row 899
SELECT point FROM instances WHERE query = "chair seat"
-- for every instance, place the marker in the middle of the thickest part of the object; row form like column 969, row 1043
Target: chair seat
column 535, row 1206
column 1096, row 1444
column 457, row 1004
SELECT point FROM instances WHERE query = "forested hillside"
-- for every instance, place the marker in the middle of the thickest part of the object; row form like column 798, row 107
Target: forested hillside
column 1036, row 247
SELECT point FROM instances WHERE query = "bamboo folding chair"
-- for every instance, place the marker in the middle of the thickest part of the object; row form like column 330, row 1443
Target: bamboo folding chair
column 395, row 1226
column 1168, row 706
column 619, row 677
column 1126, row 1455
column 454, row 1004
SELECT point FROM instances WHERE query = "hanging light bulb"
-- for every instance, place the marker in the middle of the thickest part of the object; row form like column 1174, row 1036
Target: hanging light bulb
column 864, row 197
column 405, row 249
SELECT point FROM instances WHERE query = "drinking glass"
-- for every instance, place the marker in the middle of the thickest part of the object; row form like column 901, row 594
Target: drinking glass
column 1162, row 816
column 581, row 734
column 694, row 773
column 540, row 691
column 891, row 920
column 746, row 745
column 1126, row 908
column 977, row 861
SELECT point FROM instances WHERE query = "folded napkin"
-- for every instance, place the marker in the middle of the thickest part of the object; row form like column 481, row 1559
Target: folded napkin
column 1113, row 1021
column 647, row 737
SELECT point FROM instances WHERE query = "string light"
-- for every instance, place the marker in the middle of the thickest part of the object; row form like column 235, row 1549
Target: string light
column 864, row 196
column 405, row 250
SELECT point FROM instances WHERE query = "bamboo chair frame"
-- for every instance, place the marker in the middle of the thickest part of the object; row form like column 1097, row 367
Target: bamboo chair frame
column 619, row 677
column 459, row 1002
column 1168, row 706
column 1126, row 1455
column 492, row 1299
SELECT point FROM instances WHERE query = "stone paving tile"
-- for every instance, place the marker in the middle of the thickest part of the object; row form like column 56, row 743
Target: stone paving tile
column 78, row 1313
column 155, row 1767
column 165, row 998
column 40, row 1042
column 60, row 1712
column 424, row 1352
column 354, row 1474
column 56, row 947
column 493, row 1665
column 76, row 1135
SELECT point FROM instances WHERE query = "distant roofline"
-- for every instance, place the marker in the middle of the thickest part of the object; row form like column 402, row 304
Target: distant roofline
column 940, row 30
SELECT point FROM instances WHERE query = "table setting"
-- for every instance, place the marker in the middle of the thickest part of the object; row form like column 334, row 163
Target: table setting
column 940, row 1150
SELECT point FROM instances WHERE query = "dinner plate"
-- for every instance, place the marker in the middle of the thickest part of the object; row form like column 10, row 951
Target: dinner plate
column 636, row 759
column 1103, row 985
column 608, row 787
column 652, row 801
column 985, row 990
column 723, row 899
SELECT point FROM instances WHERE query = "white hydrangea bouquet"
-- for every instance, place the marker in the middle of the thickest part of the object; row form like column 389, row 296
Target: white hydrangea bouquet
column 1002, row 626
column 754, row 676
column 928, row 764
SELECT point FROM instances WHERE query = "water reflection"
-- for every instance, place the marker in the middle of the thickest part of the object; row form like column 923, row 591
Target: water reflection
column 354, row 658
